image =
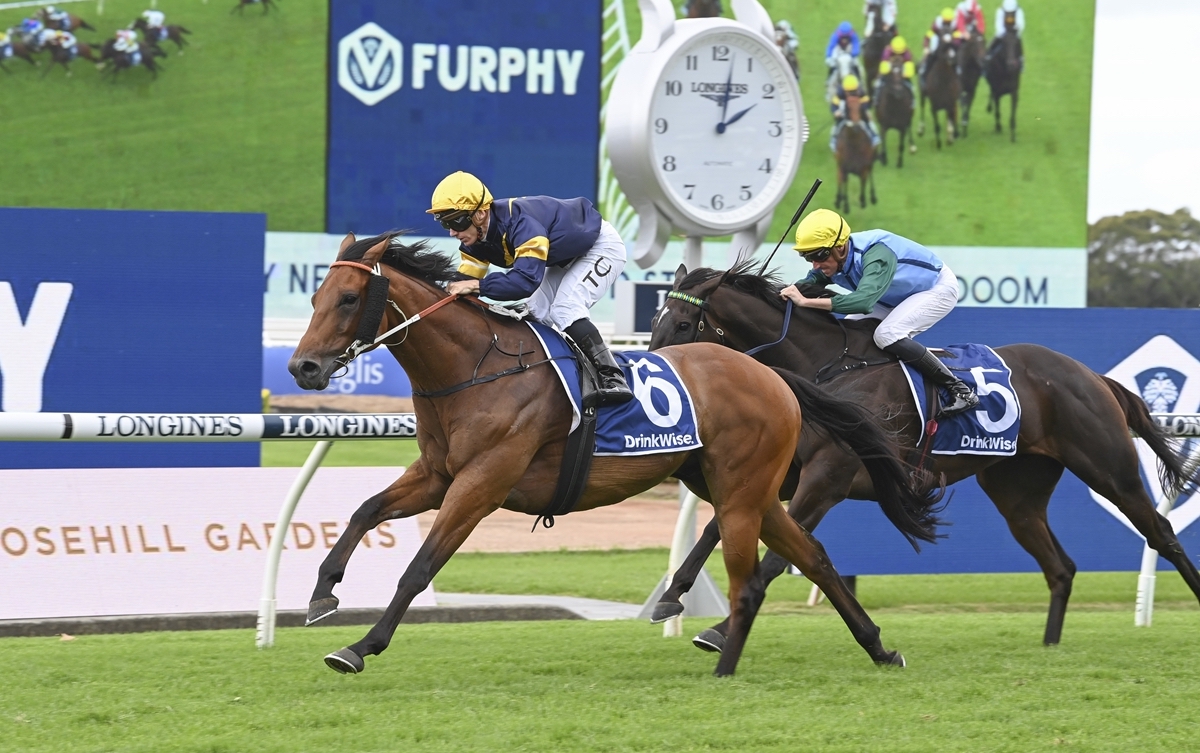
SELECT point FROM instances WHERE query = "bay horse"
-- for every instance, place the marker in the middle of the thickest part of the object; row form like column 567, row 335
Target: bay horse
column 63, row 56
column 970, row 66
column 69, row 22
column 492, row 423
column 20, row 50
column 123, row 60
column 173, row 32
column 1072, row 418
column 942, row 87
column 894, row 110
column 1003, row 72
column 873, row 46
column 855, row 156
column 703, row 8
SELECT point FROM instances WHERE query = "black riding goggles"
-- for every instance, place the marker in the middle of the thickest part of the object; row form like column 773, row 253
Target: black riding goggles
column 457, row 220
column 821, row 254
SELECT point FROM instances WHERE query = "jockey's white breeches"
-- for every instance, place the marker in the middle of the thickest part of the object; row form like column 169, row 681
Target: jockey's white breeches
column 567, row 292
column 917, row 313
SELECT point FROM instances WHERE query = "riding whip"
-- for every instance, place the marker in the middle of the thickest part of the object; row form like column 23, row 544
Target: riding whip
column 795, row 218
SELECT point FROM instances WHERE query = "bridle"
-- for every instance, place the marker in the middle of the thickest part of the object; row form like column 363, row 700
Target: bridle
column 857, row 362
column 368, row 325
column 377, row 301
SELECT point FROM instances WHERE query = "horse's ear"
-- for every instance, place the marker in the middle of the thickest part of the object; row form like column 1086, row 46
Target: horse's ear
column 371, row 258
column 679, row 275
column 346, row 243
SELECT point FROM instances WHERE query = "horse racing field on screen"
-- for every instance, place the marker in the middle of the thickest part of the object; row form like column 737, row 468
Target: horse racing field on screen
column 975, row 682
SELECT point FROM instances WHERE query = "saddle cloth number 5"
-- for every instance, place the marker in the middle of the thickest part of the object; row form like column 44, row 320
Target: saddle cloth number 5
column 984, row 388
column 643, row 389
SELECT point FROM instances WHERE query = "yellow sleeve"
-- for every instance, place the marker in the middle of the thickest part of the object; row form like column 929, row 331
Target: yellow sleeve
column 537, row 247
column 472, row 267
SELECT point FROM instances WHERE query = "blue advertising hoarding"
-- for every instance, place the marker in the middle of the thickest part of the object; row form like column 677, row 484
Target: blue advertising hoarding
column 107, row 311
column 1155, row 352
column 418, row 90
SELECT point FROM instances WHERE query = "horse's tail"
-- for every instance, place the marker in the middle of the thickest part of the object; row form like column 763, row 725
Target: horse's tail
column 1174, row 470
column 183, row 30
column 85, row 25
column 909, row 497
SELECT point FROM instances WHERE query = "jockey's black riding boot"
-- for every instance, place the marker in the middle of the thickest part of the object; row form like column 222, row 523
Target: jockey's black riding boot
column 918, row 356
column 613, row 388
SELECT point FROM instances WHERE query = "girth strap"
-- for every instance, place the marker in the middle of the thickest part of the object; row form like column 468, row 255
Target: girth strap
column 581, row 446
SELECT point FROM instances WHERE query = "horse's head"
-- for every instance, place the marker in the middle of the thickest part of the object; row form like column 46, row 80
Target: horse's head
column 338, row 308
column 688, row 313
column 680, row 318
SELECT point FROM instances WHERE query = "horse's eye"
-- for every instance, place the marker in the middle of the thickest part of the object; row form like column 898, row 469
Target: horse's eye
column 349, row 299
column 685, row 326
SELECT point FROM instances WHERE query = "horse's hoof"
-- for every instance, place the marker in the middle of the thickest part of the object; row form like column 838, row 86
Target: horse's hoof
column 345, row 662
column 895, row 659
column 665, row 610
column 709, row 640
column 320, row 609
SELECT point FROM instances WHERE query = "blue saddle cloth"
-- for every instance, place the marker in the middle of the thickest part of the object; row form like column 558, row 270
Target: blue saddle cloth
column 990, row 429
column 660, row 418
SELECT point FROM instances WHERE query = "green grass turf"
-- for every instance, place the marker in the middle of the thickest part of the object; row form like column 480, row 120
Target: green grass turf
column 975, row 682
column 983, row 190
column 236, row 124
column 346, row 452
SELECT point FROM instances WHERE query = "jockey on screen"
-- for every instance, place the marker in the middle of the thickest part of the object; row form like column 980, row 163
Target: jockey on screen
column 942, row 25
column 843, row 40
column 561, row 255
column 890, row 278
column 887, row 10
column 841, row 116
column 156, row 23
column 968, row 14
column 1009, row 15
column 896, row 56
column 126, row 41
column 54, row 14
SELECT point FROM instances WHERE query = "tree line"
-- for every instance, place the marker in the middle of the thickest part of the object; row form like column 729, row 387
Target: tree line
column 1145, row 259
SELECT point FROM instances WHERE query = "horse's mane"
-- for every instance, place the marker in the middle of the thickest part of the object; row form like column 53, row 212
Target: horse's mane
column 764, row 287
column 414, row 259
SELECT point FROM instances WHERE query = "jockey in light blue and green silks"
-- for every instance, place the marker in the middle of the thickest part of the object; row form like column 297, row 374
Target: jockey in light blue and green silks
column 890, row 278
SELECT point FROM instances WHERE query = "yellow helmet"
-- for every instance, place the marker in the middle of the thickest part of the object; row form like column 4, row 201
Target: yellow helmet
column 899, row 46
column 947, row 14
column 850, row 82
column 910, row 69
column 822, row 228
column 460, row 191
column 885, row 67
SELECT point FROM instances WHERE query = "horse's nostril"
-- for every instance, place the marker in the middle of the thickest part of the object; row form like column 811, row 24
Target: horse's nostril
column 309, row 368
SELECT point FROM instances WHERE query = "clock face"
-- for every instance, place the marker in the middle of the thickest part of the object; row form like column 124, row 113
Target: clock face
column 725, row 127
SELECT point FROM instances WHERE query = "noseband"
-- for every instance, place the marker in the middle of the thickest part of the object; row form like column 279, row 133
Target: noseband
column 377, row 300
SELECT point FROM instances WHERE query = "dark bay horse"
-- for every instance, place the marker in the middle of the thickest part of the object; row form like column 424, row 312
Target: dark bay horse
column 489, row 442
column 241, row 6
column 941, row 87
column 873, row 46
column 20, row 50
column 1072, row 418
column 703, row 8
column 173, row 32
column 895, row 111
column 855, row 156
column 1003, row 74
column 970, row 65
column 144, row 57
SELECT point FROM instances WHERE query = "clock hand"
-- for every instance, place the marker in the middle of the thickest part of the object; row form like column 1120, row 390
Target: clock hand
column 737, row 117
column 725, row 97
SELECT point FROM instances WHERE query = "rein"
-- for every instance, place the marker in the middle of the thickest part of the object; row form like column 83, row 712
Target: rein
column 377, row 289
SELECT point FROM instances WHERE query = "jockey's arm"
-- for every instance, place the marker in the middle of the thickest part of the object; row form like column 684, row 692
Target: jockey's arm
column 879, row 267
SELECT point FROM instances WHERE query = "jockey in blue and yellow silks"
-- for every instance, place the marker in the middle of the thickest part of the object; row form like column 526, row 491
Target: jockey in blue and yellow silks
column 890, row 278
column 560, row 253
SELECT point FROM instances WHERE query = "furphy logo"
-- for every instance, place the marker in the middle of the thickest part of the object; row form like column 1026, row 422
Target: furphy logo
column 370, row 64
column 25, row 346
column 1167, row 378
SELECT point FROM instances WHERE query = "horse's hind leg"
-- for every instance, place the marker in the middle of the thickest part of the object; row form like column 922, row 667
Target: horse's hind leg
column 871, row 177
column 1106, row 460
column 1021, row 487
column 414, row 492
column 785, row 536
column 995, row 101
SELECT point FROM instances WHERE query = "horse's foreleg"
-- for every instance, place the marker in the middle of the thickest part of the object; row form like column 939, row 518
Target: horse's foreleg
column 996, row 106
column 685, row 577
column 951, row 122
column 414, row 492
column 1012, row 117
column 937, row 129
column 871, row 176
column 862, row 187
column 1020, row 487
column 921, row 119
column 784, row 535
